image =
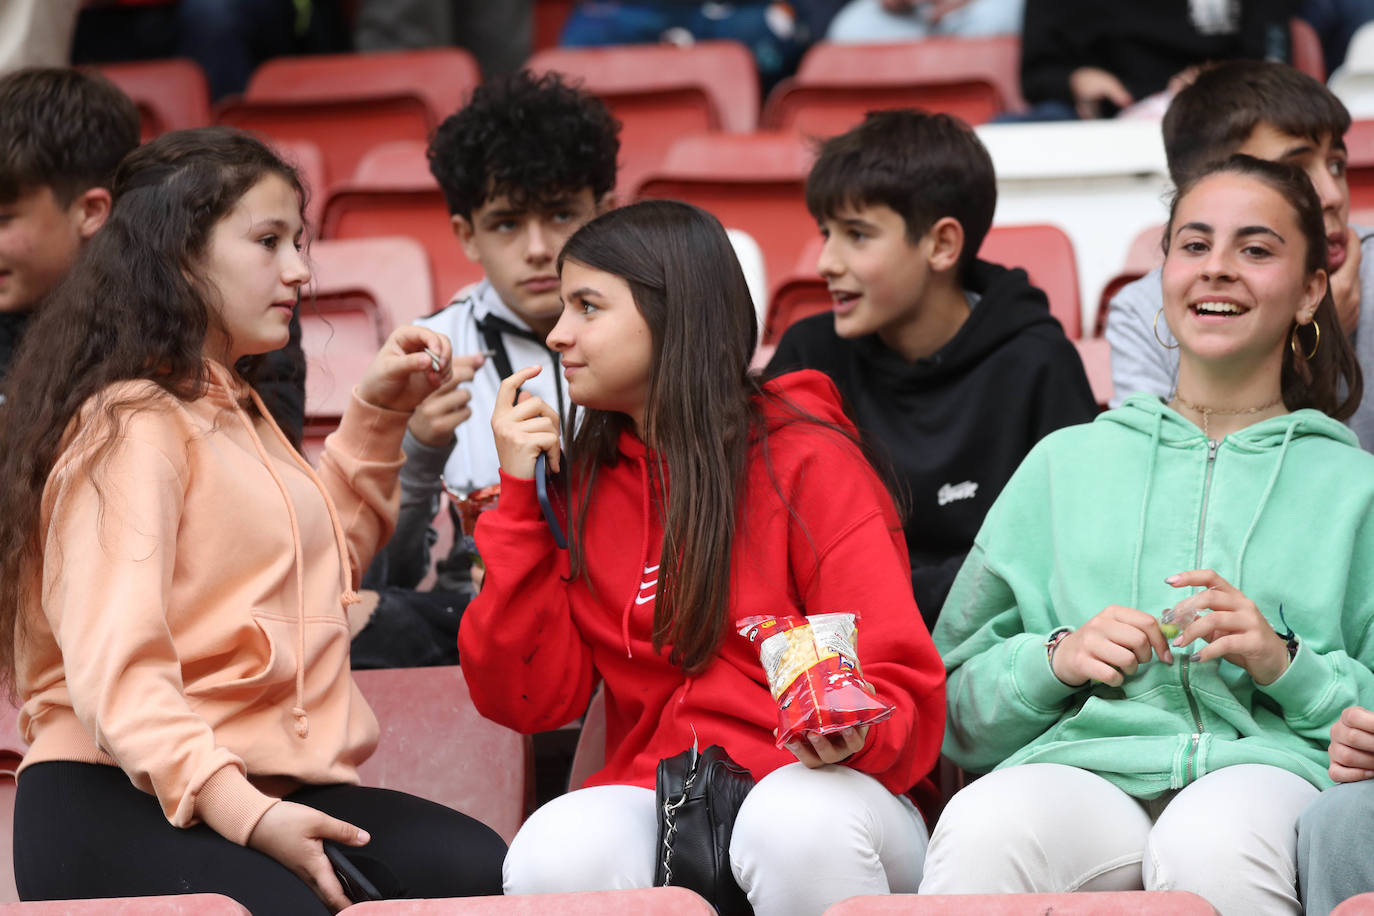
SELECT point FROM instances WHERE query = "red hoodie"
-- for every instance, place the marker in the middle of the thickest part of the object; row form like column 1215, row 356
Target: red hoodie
column 818, row 535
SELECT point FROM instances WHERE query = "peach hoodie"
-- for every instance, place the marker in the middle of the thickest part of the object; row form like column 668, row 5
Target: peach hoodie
column 192, row 628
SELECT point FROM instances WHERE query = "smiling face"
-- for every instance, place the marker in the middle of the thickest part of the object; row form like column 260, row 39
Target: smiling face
column 606, row 347
column 1235, row 277
column 518, row 249
column 877, row 277
column 255, row 269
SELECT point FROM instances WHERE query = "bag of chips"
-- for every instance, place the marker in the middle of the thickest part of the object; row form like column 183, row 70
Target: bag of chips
column 812, row 667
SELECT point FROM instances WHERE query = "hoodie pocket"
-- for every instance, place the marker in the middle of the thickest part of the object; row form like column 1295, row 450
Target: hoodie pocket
column 262, row 655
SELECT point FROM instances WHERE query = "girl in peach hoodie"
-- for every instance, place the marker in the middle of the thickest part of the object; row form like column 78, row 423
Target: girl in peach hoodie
column 175, row 576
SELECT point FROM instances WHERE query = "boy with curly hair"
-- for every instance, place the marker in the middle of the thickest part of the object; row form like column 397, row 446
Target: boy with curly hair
column 522, row 166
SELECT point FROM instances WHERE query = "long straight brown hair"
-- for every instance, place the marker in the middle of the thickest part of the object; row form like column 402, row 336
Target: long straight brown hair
column 701, row 413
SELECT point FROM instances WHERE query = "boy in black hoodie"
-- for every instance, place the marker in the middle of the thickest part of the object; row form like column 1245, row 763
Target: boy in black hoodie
column 952, row 367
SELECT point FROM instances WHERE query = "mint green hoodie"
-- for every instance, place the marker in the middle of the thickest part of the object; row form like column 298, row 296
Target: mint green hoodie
column 1100, row 514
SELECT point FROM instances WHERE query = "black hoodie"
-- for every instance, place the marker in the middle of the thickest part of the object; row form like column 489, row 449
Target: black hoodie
column 949, row 429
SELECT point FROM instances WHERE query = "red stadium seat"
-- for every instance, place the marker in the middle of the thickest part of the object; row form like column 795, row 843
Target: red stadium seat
column 436, row 745
column 590, row 754
column 361, row 290
column 752, row 182
column 549, row 17
column 836, row 84
column 663, row 92
column 305, row 155
column 393, row 193
column 348, row 103
column 653, row 901
column 1046, row 254
column 1359, row 905
column 1144, row 255
column 1120, row 903
column 1359, row 142
column 170, row 94
column 172, row 905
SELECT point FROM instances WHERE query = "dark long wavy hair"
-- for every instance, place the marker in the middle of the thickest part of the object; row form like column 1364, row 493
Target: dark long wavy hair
column 701, row 412
column 1331, row 381
column 134, row 306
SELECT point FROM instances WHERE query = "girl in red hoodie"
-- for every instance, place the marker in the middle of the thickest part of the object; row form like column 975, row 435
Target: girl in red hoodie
column 177, row 576
column 699, row 497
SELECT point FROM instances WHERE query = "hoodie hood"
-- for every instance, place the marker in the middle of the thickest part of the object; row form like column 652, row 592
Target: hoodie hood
column 1007, row 306
column 1145, row 413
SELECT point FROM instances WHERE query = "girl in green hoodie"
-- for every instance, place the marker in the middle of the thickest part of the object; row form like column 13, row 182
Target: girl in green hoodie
column 1235, row 519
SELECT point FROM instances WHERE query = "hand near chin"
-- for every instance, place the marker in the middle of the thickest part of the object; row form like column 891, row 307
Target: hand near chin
column 1345, row 284
column 522, row 430
column 412, row 363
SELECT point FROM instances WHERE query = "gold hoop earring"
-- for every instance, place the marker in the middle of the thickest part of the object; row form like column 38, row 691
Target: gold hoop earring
column 1157, row 337
column 1295, row 345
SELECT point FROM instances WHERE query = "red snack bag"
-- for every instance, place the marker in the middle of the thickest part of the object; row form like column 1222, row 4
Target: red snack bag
column 812, row 667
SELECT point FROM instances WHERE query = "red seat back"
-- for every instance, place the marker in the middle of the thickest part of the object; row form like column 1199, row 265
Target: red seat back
column 306, row 156
column 170, row 94
column 753, row 182
column 393, row 193
column 1359, row 905
column 836, row 84
column 435, row 744
column 361, row 290
column 662, row 92
column 1359, row 142
column 1306, row 49
column 1046, row 254
column 348, row 103
column 652, row 901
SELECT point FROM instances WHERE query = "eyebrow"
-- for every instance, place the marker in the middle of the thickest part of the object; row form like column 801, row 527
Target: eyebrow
column 584, row 292
column 1242, row 231
column 855, row 222
column 278, row 225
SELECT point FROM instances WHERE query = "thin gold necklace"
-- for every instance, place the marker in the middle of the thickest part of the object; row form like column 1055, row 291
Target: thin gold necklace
column 1207, row 412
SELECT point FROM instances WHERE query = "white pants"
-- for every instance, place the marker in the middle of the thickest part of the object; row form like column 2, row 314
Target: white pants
column 1230, row 837
column 804, row 839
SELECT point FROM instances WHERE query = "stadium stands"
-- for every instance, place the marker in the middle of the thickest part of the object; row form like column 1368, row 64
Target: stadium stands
column 348, row 103
column 663, row 92
column 361, row 290
column 836, row 84
column 436, row 745
column 1306, row 49
column 308, row 159
column 393, row 193
column 170, row 94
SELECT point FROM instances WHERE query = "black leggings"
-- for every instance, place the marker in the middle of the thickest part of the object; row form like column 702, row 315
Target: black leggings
column 83, row 830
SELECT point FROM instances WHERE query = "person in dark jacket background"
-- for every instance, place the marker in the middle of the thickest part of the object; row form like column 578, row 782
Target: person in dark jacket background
column 951, row 367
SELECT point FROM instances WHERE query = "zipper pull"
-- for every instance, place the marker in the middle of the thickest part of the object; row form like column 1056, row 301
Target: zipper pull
column 1212, row 446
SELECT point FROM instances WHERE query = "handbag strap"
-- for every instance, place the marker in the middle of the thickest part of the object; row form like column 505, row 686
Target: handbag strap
column 670, row 809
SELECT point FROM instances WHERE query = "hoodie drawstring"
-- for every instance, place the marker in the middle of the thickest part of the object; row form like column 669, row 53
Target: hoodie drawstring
column 643, row 557
column 1144, row 507
column 1263, row 501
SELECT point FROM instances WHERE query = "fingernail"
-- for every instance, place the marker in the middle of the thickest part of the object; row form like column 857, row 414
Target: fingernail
column 1168, row 658
column 363, row 837
column 1172, row 580
column 1196, row 657
column 1167, row 616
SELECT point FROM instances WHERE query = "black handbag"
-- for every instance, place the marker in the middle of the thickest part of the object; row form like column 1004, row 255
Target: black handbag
column 698, row 796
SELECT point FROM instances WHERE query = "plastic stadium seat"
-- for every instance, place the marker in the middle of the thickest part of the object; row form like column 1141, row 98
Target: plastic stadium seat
column 170, row 94
column 306, row 156
column 752, row 182
column 663, row 92
column 836, row 84
column 436, row 745
column 590, row 754
column 11, row 753
column 1306, row 50
column 1359, row 905
column 1120, row 903
column 1046, row 254
column 348, row 103
column 1359, row 141
column 174, row 905
column 549, row 18
column 1144, row 255
column 654, row 901
column 393, row 193
column 361, row 290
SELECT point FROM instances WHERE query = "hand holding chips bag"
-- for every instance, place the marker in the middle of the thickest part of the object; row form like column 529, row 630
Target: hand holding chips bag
column 812, row 667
